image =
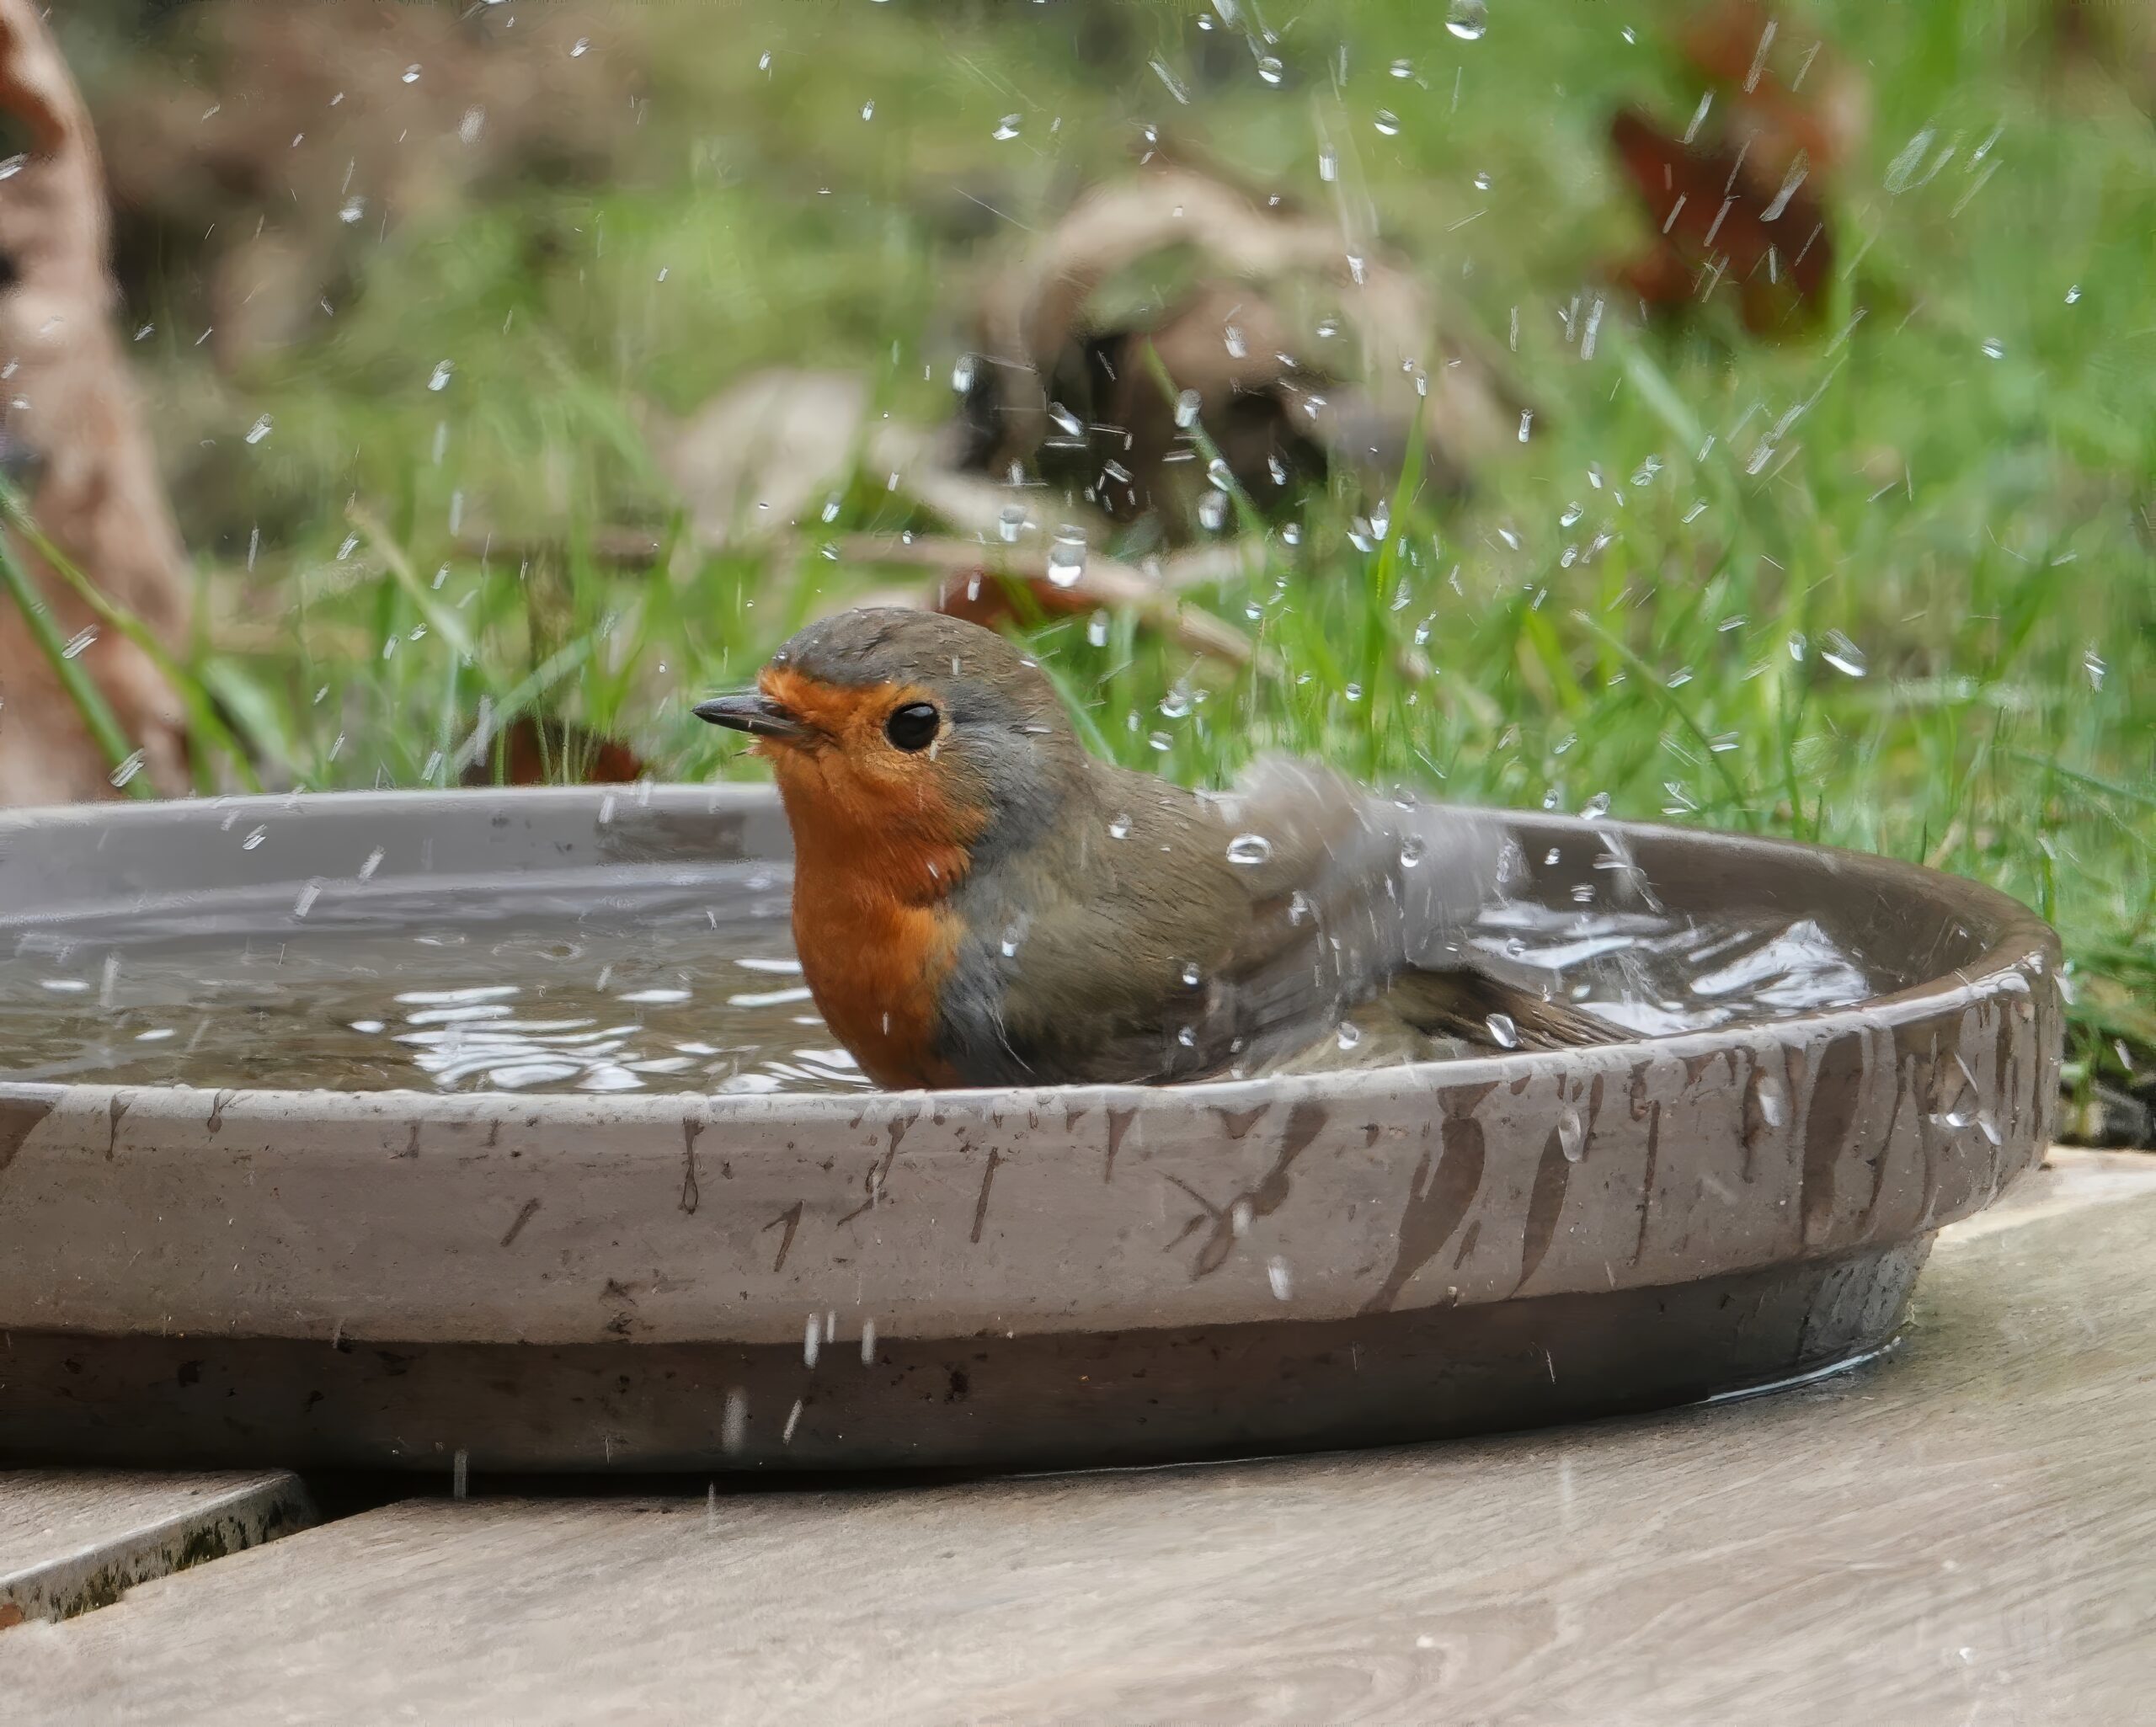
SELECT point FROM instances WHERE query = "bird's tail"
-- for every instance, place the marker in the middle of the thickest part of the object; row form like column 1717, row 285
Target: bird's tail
column 1485, row 1009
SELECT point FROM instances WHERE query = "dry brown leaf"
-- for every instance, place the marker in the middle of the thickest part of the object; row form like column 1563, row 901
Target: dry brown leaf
column 534, row 751
column 1735, row 202
column 73, row 419
column 1039, row 346
column 752, row 461
column 1787, row 94
column 1716, row 224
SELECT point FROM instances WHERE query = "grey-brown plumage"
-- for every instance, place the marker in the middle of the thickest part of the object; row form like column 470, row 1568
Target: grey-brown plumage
column 1110, row 926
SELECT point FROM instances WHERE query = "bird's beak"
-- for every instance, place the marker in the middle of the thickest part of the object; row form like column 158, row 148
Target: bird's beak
column 753, row 711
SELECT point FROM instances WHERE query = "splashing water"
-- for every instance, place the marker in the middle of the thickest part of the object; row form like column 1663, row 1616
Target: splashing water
column 1066, row 557
column 690, row 986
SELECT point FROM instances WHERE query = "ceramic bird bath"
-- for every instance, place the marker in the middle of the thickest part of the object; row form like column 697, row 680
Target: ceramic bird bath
column 713, row 1277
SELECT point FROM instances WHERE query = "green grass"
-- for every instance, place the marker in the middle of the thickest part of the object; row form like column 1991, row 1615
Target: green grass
column 1980, row 528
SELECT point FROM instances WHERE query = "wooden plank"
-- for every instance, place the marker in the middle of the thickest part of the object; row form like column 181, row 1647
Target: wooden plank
column 2068, row 1178
column 70, row 1539
column 1963, row 1533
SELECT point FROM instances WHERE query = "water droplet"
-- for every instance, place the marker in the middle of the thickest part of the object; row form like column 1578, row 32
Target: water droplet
column 1328, row 165
column 353, row 209
column 1467, row 19
column 812, row 1339
column 2093, row 663
column 1349, row 1035
column 1354, row 692
column 1994, row 349
column 2074, row 294
column 1119, row 827
column 1006, row 128
column 1413, row 850
column 1596, row 806
column 1213, row 511
column 1387, row 123
column 1571, row 1135
column 1502, row 1032
column 1175, row 704
column 127, row 770
column 1278, row 1275
column 1773, row 1102
column 1232, row 338
column 1010, row 523
column 1842, row 654
column 580, row 47
column 255, row 838
column 1572, row 514
column 962, row 374
column 1249, row 849
column 1186, row 1036
column 868, row 110
column 1269, row 69
column 1483, row 183
column 79, row 643
column 1796, row 645
column 1186, row 407
column 1097, row 629
column 1526, row 420
column 260, row 430
column 1066, row 557
column 439, row 379
column 1291, row 533
column 411, row 74
column 1161, row 742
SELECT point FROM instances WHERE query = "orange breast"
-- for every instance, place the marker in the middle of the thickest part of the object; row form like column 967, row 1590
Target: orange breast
column 876, row 966
column 877, row 847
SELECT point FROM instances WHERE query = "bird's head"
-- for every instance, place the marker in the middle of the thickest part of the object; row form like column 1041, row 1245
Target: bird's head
column 888, row 727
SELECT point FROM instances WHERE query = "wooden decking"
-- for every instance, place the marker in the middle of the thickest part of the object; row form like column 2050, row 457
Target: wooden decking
column 1966, row 1534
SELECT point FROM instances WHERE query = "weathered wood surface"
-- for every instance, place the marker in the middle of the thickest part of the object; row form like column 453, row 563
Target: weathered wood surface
column 1966, row 1534
column 74, row 1539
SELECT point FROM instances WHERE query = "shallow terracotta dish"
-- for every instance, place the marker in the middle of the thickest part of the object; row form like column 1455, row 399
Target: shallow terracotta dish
column 1014, row 1278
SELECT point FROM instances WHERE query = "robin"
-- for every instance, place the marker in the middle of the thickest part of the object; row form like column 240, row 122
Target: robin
column 979, row 901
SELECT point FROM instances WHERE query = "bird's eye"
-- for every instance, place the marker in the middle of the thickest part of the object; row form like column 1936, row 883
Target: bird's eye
column 913, row 726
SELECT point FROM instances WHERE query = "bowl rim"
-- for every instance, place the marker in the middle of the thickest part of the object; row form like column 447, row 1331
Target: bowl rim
column 2020, row 942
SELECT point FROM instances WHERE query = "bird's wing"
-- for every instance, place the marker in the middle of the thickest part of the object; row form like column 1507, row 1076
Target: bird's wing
column 1100, row 957
column 1358, row 895
column 1171, row 935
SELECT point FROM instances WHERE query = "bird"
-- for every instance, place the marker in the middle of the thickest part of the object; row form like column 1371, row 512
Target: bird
column 980, row 901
